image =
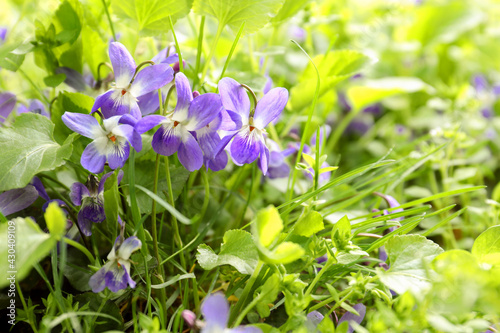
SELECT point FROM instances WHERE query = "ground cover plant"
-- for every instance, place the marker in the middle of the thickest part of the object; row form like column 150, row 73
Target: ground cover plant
column 249, row 166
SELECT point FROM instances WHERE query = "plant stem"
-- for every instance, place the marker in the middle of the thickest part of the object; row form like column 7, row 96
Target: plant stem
column 211, row 54
column 109, row 19
column 329, row 262
column 177, row 47
column 199, row 50
column 306, row 129
column 246, row 291
column 250, row 192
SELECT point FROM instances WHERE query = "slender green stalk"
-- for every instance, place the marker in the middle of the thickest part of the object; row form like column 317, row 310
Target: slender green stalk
column 306, row 129
column 80, row 247
column 177, row 47
column 199, row 50
column 109, row 20
column 38, row 90
column 244, row 295
column 212, row 52
column 250, row 193
column 175, row 226
column 331, row 299
column 316, row 164
column 329, row 263
column 154, row 233
column 233, row 47
column 247, row 309
column 25, row 308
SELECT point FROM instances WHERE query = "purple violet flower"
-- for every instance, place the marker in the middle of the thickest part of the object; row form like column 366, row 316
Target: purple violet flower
column 91, row 199
column 209, row 139
column 215, row 310
column 149, row 103
column 7, row 104
column 248, row 143
column 278, row 167
column 486, row 94
column 115, row 274
column 122, row 97
column 176, row 131
column 351, row 317
column 35, row 106
column 110, row 142
column 3, row 34
column 15, row 200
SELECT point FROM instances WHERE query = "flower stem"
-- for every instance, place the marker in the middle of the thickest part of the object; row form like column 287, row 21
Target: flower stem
column 318, row 276
column 306, row 129
column 177, row 48
column 154, row 233
column 247, row 203
column 212, row 51
column 246, row 291
column 199, row 50
column 109, row 19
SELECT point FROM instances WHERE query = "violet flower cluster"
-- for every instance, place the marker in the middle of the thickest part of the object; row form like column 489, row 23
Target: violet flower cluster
column 200, row 129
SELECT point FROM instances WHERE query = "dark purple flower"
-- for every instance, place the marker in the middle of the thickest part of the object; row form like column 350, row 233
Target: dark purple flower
column 91, row 199
column 115, row 274
column 74, row 79
column 7, row 104
column 215, row 310
column 122, row 97
column 35, row 106
column 315, row 317
column 176, row 131
column 209, row 140
column 278, row 167
column 110, row 142
column 248, row 143
column 15, row 200
column 149, row 103
column 351, row 317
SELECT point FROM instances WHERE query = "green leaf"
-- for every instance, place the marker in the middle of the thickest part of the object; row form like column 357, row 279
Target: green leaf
column 238, row 250
column 255, row 13
column 68, row 22
column 55, row 220
column 409, row 257
column 76, row 102
column 486, row 247
column 333, row 68
column 268, row 225
column 94, row 50
column 284, row 253
column 267, row 293
column 309, row 224
column 431, row 26
column 289, row 9
column 31, row 245
column 341, row 233
column 375, row 90
column 173, row 280
column 28, row 147
column 151, row 16
column 12, row 56
column 54, row 80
